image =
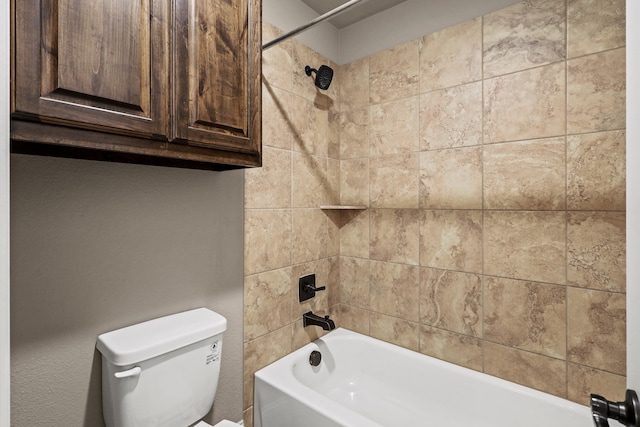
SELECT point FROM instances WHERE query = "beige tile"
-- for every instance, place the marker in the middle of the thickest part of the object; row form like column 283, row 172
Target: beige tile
column 261, row 352
column 394, row 181
column 526, row 315
column 594, row 26
column 525, row 245
column 354, row 236
column 311, row 128
column 354, row 133
column 451, row 117
column 597, row 329
column 462, row 350
column 309, row 235
column 344, row 215
column 393, row 73
column 583, row 380
column 330, row 94
column 354, row 182
column 277, row 127
column 451, row 300
column 596, row 86
column 309, row 181
column 332, row 186
column 393, row 127
column 277, row 61
column 451, row 240
column 393, row 290
column 529, row 369
column 523, row 110
column 452, row 56
column 596, row 250
column 267, row 240
column 395, row 235
column 270, row 185
column 352, row 318
column 395, row 331
column 354, row 87
column 333, row 235
column 333, row 282
column 524, row 35
column 247, row 416
column 596, row 172
column 339, row 216
column 525, row 175
column 451, row 178
column 267, row 302
column 335, row 128
column 525, row 105
column 354, row 281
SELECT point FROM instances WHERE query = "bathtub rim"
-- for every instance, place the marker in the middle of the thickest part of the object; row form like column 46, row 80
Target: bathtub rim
column 287, row 383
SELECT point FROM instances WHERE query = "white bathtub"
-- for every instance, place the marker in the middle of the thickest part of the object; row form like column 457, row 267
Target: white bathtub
column 364, row 382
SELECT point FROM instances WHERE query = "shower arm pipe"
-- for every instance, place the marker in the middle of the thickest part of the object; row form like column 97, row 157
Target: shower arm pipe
column 342, row 8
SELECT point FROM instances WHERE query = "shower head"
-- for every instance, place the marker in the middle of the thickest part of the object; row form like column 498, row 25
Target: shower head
column 324, row 75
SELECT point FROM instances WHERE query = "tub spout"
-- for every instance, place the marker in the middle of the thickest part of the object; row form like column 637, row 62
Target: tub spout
column 627, row 412
column 310, row 319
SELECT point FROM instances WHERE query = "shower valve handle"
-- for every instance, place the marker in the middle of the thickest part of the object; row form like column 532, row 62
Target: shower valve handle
column 307, row 287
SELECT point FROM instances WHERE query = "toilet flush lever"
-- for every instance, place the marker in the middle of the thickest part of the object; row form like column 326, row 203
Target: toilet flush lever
column 133, row 372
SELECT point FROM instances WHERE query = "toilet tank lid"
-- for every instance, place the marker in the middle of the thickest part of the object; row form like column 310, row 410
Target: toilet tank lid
column 152, row 338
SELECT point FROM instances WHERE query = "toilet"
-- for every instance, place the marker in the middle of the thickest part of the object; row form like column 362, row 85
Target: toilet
column 163, row 372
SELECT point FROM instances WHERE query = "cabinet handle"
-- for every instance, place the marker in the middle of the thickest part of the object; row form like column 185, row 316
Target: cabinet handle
column 133, row 372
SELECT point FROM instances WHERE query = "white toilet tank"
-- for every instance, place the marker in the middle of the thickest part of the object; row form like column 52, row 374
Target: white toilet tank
column 163, row 372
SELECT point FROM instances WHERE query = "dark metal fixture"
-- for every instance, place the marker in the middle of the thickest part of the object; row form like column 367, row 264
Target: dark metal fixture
column 307, row 287
column 315, row 358
column 324, row 75
column 310, row 319
column 627, row 412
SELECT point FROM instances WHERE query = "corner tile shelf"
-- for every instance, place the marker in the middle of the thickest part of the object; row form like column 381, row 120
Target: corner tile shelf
column 343, row 207
column 343, row 214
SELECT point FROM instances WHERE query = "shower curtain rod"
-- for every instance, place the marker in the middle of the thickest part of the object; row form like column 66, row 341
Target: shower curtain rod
column 312, row 23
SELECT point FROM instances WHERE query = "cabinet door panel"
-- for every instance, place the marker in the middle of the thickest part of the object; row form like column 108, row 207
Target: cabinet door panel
column 103, row 56
column 219, row 59
column 217, row 74
column 98, row 63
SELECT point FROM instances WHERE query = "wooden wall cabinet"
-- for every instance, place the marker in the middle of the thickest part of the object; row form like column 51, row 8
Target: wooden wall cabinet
column 171, row 82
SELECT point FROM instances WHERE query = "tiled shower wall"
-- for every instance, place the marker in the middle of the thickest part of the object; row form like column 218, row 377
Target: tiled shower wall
column 491, row 156
column 287, row 235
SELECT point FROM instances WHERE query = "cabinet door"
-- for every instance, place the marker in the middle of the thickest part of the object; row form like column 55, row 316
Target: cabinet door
column 95, row 64
column 218, row 74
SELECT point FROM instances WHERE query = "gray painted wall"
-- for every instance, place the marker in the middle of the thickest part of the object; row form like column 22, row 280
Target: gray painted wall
column 98, row 246
column 406, row 21
column 291, row 14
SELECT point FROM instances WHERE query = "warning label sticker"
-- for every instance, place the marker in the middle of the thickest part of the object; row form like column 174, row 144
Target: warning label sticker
column 213, row 354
